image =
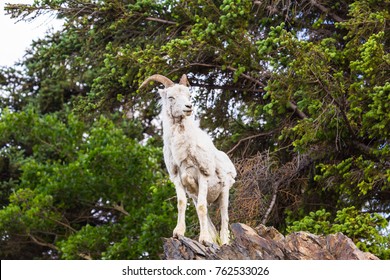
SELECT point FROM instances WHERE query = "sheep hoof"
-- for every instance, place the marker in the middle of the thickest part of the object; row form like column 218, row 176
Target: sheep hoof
column 207, row 244
column 226, row 242
column 178, row 232
column 206, row 240
column 179, row 237
column 225, row 238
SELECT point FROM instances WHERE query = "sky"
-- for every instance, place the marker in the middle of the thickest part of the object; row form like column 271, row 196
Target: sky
column 16, row 37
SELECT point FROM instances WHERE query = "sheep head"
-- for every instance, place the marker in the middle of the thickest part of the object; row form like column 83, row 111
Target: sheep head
column 176, row 98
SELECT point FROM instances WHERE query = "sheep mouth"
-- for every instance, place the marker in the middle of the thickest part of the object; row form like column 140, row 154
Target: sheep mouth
column 187, row 112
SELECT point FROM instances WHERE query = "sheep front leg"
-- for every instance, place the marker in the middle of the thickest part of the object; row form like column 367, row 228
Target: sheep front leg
column 181, row 209
column 224, row 202
column 201, row 209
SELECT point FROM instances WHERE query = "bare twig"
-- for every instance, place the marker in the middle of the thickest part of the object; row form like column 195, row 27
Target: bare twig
column 63, row 224
column 272, row 203
column 42, row 243
column 248, row 138
column 52, row 246
column 294, row 107
column 85, row 256
column 120, row 208
column 161, row 20
column 326, row 10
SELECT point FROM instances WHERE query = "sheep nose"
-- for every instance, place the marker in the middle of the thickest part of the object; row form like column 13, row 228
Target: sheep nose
column 189, row 106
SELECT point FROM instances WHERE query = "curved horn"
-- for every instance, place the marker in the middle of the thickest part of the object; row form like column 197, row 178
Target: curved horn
column 158, row 78
column 184, row 81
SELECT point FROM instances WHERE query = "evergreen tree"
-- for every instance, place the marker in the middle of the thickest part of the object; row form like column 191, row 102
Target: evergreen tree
column 296, row 91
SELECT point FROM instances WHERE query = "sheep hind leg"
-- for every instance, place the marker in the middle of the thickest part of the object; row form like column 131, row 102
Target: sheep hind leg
column 181, row 209
column 212, row 230
column 201, row 209
column 224, row 203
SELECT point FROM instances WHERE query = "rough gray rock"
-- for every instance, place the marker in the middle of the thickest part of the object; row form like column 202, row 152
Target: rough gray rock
column 266, row 243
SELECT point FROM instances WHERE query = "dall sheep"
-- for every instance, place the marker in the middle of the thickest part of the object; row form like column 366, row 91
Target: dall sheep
column 196, row 167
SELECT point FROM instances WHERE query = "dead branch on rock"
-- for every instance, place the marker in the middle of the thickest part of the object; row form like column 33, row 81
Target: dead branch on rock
column 263, row 179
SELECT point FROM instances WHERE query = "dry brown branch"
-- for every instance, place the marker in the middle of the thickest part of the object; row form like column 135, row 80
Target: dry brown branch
column 42, row 243
column 36, row 240
column 265, row 184
column 248, row 138
column 325, row 10
column 85, row 256
column 120, row 208
column 161, row 20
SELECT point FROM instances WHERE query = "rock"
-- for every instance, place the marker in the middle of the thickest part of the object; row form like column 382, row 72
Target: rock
column 266, row 243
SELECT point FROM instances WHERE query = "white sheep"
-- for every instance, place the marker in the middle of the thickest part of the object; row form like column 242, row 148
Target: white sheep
column 194, row 164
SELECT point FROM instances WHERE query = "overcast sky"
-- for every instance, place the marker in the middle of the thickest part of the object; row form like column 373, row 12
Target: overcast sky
column 16, row 37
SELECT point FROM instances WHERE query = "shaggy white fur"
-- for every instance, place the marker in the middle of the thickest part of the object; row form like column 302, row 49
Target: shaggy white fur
column 196, row 167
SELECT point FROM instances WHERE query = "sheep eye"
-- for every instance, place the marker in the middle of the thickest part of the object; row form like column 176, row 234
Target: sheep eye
column 171, row 98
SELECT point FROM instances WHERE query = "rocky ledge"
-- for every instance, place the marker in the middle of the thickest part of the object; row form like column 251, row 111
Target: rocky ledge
column 266, row 243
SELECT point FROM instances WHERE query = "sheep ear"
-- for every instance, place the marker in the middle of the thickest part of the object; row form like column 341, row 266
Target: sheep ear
column 184, row 81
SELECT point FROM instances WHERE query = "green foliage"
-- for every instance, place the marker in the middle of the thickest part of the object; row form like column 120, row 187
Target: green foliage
column 339, row 87
column 316, row 222
column 365, row 229
column 84, row 191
